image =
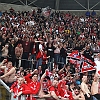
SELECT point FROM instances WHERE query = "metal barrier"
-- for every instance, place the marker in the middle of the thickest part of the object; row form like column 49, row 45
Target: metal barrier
column 4, row 91
column 6, row 87
column 50, row 64
column 5, row 94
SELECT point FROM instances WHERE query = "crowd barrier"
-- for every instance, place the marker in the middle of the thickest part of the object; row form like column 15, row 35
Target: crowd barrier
column 5, row 94
column 31, row 62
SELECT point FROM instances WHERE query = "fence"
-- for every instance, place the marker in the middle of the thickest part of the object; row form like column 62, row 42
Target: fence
column 32, row 63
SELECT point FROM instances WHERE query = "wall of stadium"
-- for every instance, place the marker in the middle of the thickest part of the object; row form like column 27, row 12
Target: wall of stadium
column 4, row 6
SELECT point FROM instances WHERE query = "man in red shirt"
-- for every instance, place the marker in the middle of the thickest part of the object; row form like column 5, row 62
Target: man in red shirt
column 53, row 91
column 45, row 84
column 34, row 86
column 27, row 77
column 19, row 88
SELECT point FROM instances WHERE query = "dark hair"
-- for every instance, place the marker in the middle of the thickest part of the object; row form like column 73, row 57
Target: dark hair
column 47, row 77
column 77, row 87
column 67, row 65
column 33, row 75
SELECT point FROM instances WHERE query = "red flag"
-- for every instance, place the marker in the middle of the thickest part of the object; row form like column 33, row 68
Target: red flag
column 81, row 62
column 87, row 67
column 74, row 56
column 48, row 73
column 87, row 64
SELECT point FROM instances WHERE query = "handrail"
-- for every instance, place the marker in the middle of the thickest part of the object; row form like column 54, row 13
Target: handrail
column 6, row 87
column 22, row 96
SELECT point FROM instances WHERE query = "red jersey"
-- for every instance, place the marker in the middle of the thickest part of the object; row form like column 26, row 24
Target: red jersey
column 35, row 87
column 46, row 85
column 63, row 91
column 55, row 89
column 39, row 55
column 44, row 58
column 23, row 87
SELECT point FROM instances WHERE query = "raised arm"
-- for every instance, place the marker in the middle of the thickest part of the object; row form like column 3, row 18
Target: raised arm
column 8, row 73
column 2, row 64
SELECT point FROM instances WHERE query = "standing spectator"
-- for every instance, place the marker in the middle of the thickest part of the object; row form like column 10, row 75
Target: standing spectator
column 88, row 53
column 53, row 91
column 93, row 13
column 50, row 52
column 26, row 51
column 19, row 90
column 5, row 52
column 11, row 10
column 57, row 55
column 87, row 14
column 0, row 14
column 33, row 54
column 18, row 54
column 63, row 54
column 44, row 61
column 45, row 84
column 11, row 52
column 39, row 58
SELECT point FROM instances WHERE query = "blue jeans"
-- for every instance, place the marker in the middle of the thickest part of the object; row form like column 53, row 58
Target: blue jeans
column 56, row 58
column 39, row 63
column 33, row 56
column 63, row 61
column 50, row 63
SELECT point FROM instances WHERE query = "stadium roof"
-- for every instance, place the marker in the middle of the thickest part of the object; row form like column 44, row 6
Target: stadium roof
column 59, row 4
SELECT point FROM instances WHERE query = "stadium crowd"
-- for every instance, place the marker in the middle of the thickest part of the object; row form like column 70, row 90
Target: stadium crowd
column 34, row 54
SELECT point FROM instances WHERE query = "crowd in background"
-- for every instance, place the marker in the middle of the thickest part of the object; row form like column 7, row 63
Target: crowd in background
column 31, row 41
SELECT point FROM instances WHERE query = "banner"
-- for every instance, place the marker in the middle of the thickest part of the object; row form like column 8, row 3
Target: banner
column 46, row 11
column 87, row 67
column 74, row 57
column 87, row 64
column 81, row 62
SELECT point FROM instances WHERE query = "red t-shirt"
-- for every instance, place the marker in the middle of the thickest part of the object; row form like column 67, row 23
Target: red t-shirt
column 35, row 87
column 52, row 88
